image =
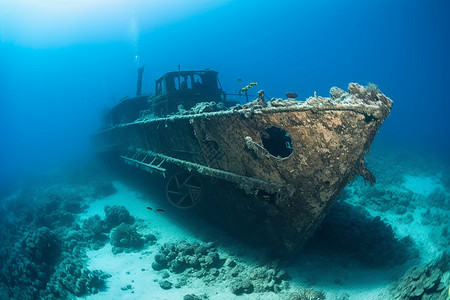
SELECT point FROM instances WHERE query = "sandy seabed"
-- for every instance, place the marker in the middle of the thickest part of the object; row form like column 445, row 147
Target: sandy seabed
column 413, row 199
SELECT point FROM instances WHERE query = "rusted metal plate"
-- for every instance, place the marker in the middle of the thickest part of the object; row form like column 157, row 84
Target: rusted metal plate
column 299, row 154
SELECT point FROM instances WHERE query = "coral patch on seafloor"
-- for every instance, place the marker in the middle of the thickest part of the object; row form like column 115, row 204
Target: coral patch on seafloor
column 195, row 297
column 203, row 261
column 42, row 245
column 73, row 278
column 307, row 294
column 96, row 231
column 117, row 214
column 43, row 248
column 125, row 237
column 431, row 281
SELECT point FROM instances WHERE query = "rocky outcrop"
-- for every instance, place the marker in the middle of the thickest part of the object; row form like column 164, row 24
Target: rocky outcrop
column 431, row 281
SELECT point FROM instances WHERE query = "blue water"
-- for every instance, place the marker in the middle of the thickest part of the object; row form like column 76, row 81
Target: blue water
column 60, row 67
column 54, row 83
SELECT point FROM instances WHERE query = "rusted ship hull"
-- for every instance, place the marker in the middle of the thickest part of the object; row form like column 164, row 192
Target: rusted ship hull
column 279, row 199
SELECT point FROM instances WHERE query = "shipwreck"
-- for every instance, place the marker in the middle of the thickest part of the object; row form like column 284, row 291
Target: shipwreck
column 268, row 171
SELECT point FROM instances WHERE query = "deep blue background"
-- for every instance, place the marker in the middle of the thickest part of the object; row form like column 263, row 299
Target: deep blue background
column 51, row 98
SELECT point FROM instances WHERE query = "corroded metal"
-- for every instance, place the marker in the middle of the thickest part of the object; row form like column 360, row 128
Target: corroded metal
column 280, row 199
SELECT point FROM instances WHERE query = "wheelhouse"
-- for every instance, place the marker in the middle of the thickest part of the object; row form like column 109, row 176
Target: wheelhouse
column 185, row 88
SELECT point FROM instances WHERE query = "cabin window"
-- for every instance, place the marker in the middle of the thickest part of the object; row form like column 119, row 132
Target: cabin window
column 277, row 141
column 218, row 83
column 183, row 82
column 189, row 81
column 197, row 81
column 163, row 87
column 169, row 83
column 160, row 88
column 177, row 83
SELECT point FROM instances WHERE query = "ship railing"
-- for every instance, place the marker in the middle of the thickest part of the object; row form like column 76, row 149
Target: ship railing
column 145, row 162
column 248, row 183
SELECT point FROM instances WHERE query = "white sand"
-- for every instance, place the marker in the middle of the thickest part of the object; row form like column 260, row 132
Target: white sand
column 421, row 185
column 135, row 268
column 319, row 272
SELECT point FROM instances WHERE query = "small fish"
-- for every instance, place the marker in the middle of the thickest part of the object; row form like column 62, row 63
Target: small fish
column 291, row 95
column 239, row 79
column 160, row 210
column 244, row 89
column 339, row 106
column 266, row 196
column 252, row 84
column 149, row 208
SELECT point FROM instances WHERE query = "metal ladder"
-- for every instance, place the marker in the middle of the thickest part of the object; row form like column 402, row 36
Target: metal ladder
column 140, row 159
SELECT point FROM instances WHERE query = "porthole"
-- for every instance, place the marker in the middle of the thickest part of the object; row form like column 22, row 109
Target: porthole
column 277, row 141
